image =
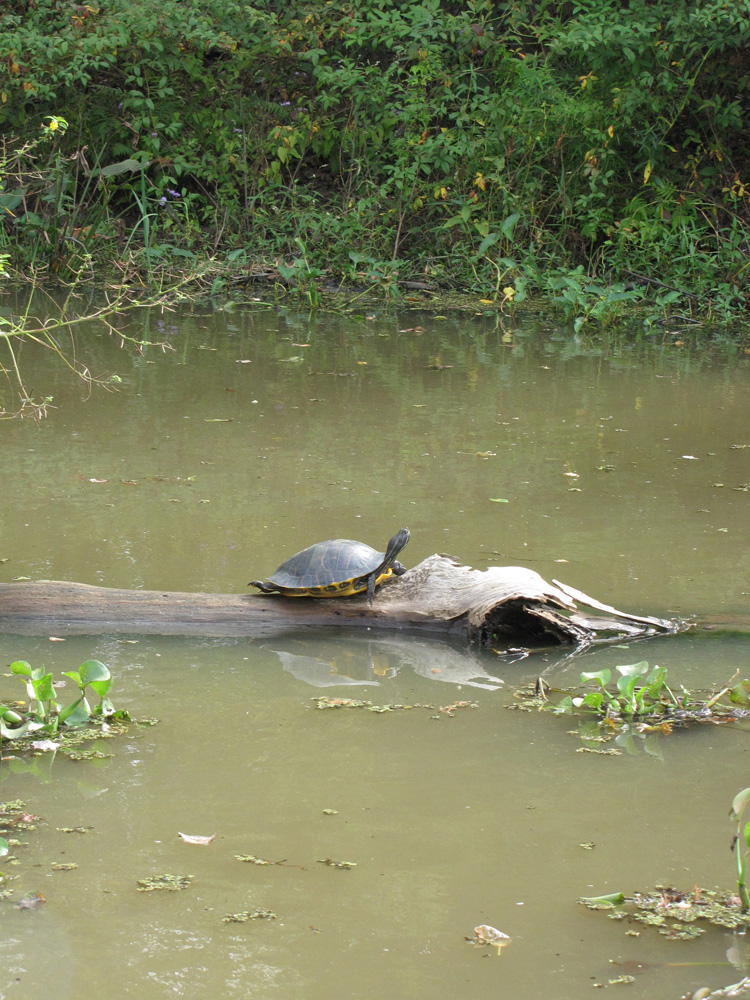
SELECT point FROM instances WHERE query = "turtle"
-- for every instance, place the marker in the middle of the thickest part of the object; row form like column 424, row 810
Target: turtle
column 336, row 568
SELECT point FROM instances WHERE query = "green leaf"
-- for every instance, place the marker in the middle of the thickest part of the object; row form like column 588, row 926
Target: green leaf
column 13, row 734
column 4, row 848
column 740, row 694
column 21, row 667
column 614, row 899
column 739, row 804
column 655, row 681
column 746, row 833
column 593, row 700
column 634, row 669
column 626, row 686
column 602, row 676
column 77, row 714
column 120, row 168
column 9, row 714
column 489, row 241
column 74, row 676
column 101, row 687
column 93, row 670
column 564, row 707
column 508, row 225
column 43, row 688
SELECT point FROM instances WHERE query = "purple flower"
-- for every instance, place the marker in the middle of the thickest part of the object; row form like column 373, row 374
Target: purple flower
column 163, row 200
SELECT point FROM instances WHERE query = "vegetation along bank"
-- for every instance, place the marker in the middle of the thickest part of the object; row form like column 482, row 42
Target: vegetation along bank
column 596, row 152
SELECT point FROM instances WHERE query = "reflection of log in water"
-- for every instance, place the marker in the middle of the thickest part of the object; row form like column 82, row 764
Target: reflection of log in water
column 498, row 607
column 367, row 661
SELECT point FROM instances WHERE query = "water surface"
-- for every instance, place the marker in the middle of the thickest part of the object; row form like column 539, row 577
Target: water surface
column 618, row 468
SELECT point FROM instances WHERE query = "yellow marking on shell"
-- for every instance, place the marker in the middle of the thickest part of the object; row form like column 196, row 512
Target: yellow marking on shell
column 345, row 589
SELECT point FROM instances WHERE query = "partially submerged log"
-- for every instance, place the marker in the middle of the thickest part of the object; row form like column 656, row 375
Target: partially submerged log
column 502, row 608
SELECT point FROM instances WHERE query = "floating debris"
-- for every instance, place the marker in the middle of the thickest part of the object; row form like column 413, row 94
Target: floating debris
column 323, row 702
column 60, row 866
column 260, row 913
column 14, row 816
column 330, row 812
column 450, row 710
column 251, row 859
column 31, row 901
column 487, row 935
column 195, row 839
column 337, row 864
column 170, row 883
column 91, row 754
column 673, row 911
column 44, row 745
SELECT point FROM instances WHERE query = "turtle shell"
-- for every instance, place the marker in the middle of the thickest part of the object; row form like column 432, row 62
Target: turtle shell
column 335, row 568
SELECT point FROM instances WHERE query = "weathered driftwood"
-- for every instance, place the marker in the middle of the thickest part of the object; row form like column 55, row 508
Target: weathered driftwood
column 499, row 607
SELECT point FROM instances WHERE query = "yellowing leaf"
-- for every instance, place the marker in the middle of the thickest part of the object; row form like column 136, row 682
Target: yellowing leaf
column 647, row 172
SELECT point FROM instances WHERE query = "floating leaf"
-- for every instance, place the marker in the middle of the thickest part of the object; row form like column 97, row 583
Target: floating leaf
column 171, row 883
column 258, row 914
column 193, row 839
column 498, row 500
column 603, row 902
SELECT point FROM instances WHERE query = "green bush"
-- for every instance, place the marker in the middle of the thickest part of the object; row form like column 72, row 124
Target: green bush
column 481, row 141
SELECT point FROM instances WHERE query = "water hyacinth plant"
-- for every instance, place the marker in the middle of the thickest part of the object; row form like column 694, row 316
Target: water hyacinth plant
column 44, row 713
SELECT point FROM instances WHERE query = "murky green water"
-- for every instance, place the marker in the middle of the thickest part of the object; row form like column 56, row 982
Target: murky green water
column 624, row 470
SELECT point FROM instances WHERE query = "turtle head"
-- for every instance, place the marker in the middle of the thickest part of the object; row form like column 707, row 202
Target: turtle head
column 395, row 545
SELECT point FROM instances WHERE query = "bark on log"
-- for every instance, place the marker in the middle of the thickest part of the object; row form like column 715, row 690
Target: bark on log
column 507, row 607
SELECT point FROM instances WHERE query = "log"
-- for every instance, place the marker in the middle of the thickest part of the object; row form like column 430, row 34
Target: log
column 503, row 608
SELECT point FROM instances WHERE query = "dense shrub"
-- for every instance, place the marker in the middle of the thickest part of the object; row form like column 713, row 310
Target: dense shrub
column 486, row 142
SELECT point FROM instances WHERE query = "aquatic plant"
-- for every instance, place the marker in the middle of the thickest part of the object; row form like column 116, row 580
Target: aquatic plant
column 642, row 702
column 741, row 840
column 44, row 713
